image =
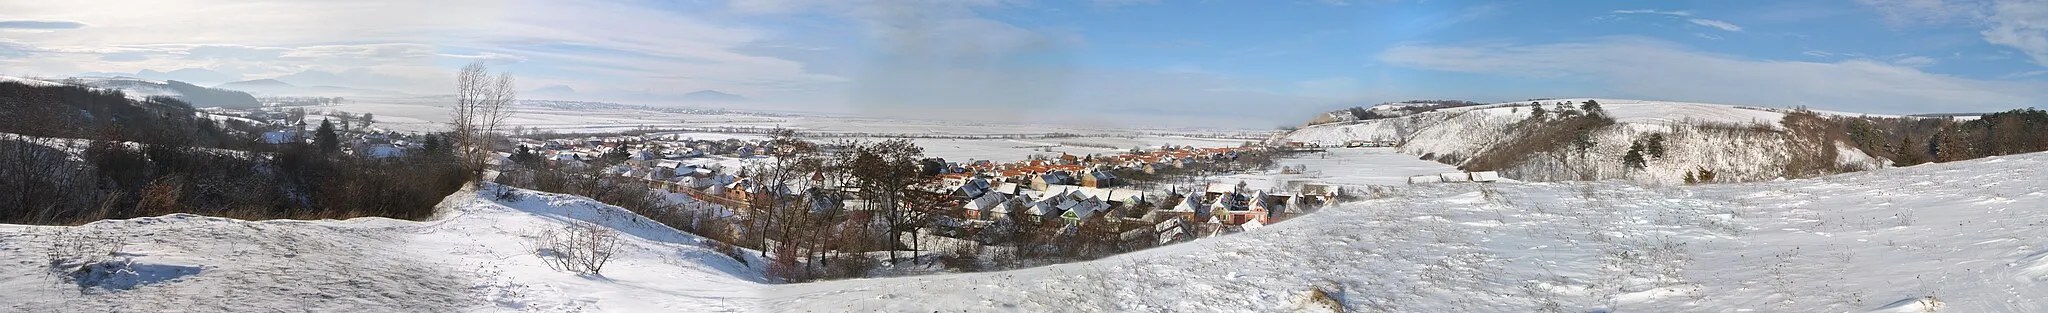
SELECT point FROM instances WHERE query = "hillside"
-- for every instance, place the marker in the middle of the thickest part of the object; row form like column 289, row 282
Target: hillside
column 474, row 258
column 1738, row 143
column 196, row 95
column 1851, row 243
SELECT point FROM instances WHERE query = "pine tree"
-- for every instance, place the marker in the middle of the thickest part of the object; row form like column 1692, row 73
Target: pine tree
column 1634, row 158
column 1909, row 152
column 325, row 138
column 524, row 156
column 1690, row 179
column 1656, row 146
column 1536, row 110
column 1592, row 108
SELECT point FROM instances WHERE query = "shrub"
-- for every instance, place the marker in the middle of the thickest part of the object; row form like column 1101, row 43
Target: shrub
column 583, row 248
column 1326, row 295
column 964, row 257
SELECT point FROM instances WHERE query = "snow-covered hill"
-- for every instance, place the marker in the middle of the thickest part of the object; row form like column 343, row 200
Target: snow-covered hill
column 476, row 258
column 1697, row 137
column 1956, row 237
column 29, row 81
column 1951, row 237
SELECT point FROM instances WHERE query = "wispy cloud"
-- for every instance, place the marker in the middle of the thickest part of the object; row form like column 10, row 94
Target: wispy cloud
column 1688, row 16
column 2018, row 24
column 40, row 24
column 1716, row 24
column 1638, row 67
column 1915, row 61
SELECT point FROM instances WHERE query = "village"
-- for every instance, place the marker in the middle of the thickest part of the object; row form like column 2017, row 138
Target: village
column 1048, row 191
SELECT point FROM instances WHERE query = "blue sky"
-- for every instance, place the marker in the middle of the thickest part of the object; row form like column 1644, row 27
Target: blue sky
column 1161, row 62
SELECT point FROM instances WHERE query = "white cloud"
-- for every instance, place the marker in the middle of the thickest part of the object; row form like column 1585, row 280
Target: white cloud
column 1716, row 24
column 1636, row 67
column 1688, row 16
column 2017, row 24
column 1907, row 12
column 2021, row 25
column 1914, row 61
column 40, row 24
column 411, row 41
column 1818, row 53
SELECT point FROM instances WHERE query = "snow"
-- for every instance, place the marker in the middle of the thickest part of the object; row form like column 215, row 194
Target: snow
column 1968, row 242
column 29, row 81
column 1456, row 134
column 474, row 259
column 1953, row 237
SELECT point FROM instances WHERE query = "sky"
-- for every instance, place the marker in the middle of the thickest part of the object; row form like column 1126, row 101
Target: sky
column 1139, row 62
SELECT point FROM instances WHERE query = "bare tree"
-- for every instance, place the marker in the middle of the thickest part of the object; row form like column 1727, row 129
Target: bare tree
column 480, row 106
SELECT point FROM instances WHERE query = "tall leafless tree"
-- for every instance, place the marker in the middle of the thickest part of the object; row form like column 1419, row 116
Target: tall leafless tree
column 481, row 105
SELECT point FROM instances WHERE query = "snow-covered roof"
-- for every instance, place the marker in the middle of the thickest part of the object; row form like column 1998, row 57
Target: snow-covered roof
column 986, row 201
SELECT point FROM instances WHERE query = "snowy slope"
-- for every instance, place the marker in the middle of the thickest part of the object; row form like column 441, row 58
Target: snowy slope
column 474, row 259
column 1955, row 237
column 1456, row 134
column 135, row 88
column 29, row 81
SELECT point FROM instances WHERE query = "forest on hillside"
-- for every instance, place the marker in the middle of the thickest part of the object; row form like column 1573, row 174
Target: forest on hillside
column 72, row 155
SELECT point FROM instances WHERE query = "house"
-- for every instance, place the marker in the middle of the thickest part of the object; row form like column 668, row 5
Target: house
column 1043, row 208
column 1097, row 179
column 975, row 187
column 1085, row 209
column 978, row 209
column 1008, row 188
column 1189, row 208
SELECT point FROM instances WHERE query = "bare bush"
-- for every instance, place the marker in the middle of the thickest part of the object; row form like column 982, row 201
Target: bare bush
column 583, row 248
column 1326, row 295
column 965, row 257
column 85, row 256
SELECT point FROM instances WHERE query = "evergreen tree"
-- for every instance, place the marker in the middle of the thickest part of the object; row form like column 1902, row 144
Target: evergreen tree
column 1634, row 158
column 524, row 156
column 432, row 145
column 1536, row 110
column 1655, row 148
column 1592, row 108
column 325, row 138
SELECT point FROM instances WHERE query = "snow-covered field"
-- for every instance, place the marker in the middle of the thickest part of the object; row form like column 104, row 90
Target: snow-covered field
column 1955, row 237
column 476, row 258
column 423, row 114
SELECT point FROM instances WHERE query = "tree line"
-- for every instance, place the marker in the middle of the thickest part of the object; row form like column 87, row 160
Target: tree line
column 80, row 154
